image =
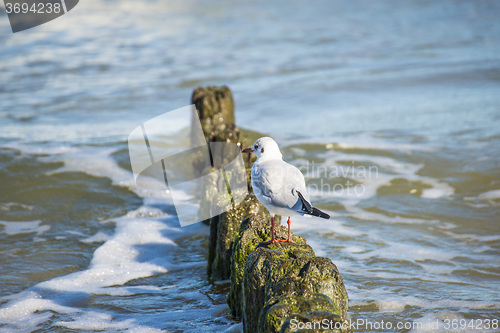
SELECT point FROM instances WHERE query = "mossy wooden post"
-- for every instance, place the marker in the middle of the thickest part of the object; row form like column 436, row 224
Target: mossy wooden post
column 215, row 108
column 272, row 285
column 275, row 286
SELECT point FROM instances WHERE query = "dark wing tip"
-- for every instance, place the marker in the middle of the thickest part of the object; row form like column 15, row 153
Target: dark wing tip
column 317, row 212
column 306, row 206
column 309, row 209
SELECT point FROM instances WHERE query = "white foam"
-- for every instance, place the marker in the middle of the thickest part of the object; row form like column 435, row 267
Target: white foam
column 429, row 262
column 484, row 200
column 9, row 206
column 142, row 245
column 99, row 237
column 490, row 195
column 440, row 190
column 115, row 263
column 25, row 312
column 98, row 321
column 238, row 328
column 354, row 249
column 398, row 303
column 24, row 227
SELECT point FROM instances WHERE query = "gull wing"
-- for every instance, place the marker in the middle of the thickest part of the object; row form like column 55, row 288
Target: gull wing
column 276, row 184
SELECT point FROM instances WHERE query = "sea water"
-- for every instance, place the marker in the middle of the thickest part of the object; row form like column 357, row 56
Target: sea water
column 390, row 109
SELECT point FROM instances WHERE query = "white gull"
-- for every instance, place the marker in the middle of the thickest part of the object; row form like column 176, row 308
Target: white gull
column 279, row 186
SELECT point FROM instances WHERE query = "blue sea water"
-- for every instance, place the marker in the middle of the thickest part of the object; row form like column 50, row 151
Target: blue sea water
column 399, row 98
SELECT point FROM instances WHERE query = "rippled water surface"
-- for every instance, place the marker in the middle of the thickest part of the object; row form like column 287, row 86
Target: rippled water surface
column 391, row 110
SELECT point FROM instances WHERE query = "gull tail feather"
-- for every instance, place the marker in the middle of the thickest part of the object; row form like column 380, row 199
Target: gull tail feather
column 308, row 209
column 318, row 213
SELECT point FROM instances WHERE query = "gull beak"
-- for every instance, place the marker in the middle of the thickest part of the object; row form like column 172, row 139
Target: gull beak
column 247, row 150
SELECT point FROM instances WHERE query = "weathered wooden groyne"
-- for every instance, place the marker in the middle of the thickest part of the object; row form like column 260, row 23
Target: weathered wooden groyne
column 282, row 287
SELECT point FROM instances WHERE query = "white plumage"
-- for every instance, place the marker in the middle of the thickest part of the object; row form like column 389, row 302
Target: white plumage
column 279, row 186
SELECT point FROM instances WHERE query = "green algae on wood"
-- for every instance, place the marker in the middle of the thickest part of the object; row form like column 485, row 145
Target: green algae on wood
column 288, row 279
column 278, row 310
column 254, row 229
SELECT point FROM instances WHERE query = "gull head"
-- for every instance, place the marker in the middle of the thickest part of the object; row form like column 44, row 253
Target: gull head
column 265, row 148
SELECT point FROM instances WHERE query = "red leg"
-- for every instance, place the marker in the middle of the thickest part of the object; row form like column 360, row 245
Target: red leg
column 289, row 240
column 273, row 240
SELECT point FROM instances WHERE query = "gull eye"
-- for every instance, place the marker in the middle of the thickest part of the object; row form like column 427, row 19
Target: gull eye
column 256, row 147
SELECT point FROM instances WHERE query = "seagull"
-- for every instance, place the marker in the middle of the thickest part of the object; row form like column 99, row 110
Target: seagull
column 279, row 186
